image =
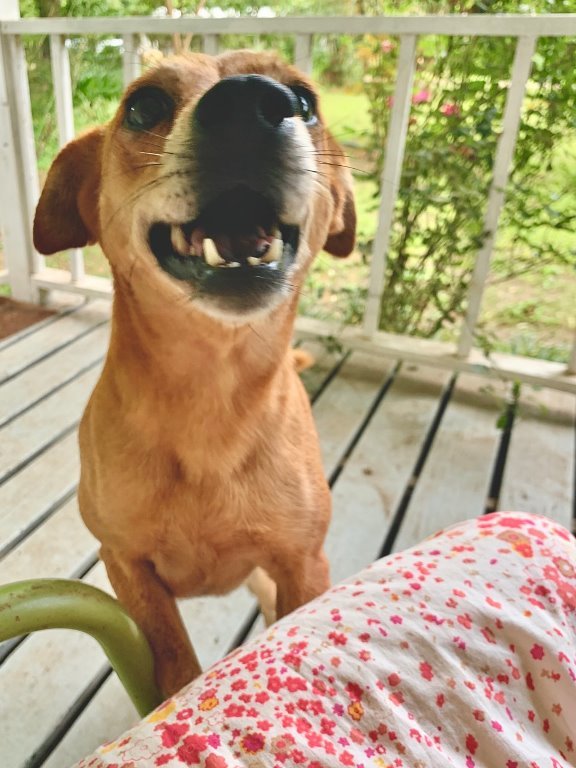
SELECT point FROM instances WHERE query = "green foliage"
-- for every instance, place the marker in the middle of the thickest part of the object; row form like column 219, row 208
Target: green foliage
column 458, row 102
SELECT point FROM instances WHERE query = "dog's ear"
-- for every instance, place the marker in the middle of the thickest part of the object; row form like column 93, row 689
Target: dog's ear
column 67, row 212
column 342, row 234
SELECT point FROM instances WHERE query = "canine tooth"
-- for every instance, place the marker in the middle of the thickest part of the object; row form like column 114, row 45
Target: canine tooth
column 179, row 242
column 253, row 261
column 211, row 253
column 274, row 253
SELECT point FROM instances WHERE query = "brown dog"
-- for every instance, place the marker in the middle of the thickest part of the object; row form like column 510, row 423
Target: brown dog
column 210, row 191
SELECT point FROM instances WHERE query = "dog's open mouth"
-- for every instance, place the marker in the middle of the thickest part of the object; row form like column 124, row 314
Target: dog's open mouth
column 236, row 247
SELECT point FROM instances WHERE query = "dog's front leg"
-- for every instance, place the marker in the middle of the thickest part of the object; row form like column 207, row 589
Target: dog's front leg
column 299, row 579
column 154, row 609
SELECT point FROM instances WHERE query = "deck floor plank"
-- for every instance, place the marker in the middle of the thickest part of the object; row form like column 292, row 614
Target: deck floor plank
column 369, row 489
column 49, row 338
column 24, row 390
column 454, row 483
column 539, row 474
column 23, row 439
column 30, row 495
column 55, row 550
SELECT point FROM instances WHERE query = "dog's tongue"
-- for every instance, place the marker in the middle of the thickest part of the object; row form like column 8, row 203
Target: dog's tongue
column 232, row 247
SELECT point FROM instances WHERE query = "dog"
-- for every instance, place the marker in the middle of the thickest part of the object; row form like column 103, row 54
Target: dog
column 210, row 191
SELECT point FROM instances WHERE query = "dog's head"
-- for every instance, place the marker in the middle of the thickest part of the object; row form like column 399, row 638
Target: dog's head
column 216, row 180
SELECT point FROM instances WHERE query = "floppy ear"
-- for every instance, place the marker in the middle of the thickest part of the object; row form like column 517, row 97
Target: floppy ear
column 67, row 213
column 342, row 234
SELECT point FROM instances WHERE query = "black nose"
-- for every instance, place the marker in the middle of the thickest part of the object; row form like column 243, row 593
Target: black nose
column 251, row 98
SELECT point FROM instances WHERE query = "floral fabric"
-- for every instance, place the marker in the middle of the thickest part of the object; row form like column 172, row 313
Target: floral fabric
column 458, row 652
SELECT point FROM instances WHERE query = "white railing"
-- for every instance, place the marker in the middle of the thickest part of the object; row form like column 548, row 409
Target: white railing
column 28, row 274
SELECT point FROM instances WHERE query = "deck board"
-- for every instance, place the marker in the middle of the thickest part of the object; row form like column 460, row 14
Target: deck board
column 373, row 419
column 455, row 480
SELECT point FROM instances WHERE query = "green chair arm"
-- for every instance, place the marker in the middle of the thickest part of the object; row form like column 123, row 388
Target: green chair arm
column 27, row 606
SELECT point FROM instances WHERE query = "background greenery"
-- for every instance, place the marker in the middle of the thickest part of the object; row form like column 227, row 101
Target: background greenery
column 456, row 117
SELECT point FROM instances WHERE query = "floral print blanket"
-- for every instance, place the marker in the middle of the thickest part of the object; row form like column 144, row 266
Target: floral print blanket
column 459, row 652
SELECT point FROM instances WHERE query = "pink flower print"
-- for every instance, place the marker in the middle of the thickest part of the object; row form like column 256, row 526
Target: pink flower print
column 346, row 758
column 354, row 691
column 471, row 744
column 184, row 714
column 189, row 752
column 357, row 736
column 394, row 679
column 537, row 652
column 338, row 638
column 421, row 97
column 449, row 109
column 567, row 593
column 397, row 698
column 274, row 684
column 327, row 726
column 396, row 619
column 214, row 761
column 440, row 699
column 252, row 743
column 465, row 621
column 426, row 671
column 488, row 635
column 172, row 734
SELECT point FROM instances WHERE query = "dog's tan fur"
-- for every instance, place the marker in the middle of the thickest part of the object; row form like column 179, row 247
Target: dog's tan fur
column 200, row 460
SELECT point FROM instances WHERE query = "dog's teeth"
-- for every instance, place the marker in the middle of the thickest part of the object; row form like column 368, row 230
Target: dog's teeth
column 233, row 263
column 211, row 253
column 179, row 242
column 253, row 261
column 274, row 253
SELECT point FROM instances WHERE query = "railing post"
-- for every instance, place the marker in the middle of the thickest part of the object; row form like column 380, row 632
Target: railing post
column 502, row 165
column 303, row 49
column 18, row 169
column 390, row 178
column 130, row 59
column 572, row 359
column 65, row 119
column 211, row 44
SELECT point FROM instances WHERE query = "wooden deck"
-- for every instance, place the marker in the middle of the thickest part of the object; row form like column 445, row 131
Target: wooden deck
column 408, row 450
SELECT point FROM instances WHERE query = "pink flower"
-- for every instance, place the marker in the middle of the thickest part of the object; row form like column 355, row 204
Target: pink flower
column 449, row 109
column 537, row 652
column 387, row 46
column 421, row 97
column 253, row 743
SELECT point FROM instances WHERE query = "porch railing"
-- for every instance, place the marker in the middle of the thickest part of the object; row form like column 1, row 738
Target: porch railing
column 19, row 189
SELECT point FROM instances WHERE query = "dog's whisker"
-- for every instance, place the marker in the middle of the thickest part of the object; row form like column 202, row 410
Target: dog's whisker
column 349, row 167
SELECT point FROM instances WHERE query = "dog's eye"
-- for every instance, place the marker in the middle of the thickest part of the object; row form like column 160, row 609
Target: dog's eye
column 146, row 108
column 306, row 104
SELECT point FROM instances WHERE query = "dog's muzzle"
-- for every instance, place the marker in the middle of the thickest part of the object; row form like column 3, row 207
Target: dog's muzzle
column 245, row 170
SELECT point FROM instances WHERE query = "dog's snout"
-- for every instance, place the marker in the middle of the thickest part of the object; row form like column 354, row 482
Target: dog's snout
column 246, row 98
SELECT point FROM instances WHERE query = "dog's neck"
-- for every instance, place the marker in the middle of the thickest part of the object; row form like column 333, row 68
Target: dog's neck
column 173, row 350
